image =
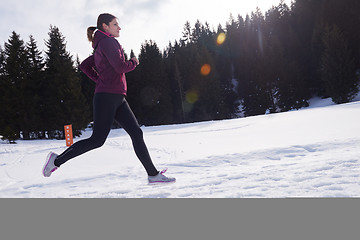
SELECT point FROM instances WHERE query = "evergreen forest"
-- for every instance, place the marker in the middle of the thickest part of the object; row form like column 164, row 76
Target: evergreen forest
column 256, row 64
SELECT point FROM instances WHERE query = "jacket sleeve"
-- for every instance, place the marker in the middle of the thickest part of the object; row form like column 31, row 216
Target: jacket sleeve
column 112, row 51
column 88, row 67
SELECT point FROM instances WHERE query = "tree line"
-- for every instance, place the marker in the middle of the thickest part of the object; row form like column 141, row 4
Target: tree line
column 38, row 95
column 257, row 64
column 260, row 63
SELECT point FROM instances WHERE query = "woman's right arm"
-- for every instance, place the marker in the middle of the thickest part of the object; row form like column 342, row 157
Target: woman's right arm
column 88, row 67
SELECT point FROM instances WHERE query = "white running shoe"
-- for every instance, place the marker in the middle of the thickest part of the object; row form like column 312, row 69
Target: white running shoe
column 49, row 166
column 161, row 178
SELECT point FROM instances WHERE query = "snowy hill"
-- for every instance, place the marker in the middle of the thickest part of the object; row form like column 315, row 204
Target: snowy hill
column 312, row 152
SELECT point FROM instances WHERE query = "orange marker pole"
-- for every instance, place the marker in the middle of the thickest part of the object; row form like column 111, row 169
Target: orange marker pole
column 68, row 135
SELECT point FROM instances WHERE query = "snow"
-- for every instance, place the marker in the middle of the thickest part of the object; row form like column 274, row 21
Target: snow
column 312, row 152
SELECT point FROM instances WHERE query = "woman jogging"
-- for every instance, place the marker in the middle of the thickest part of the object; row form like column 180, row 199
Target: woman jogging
column 107, row 68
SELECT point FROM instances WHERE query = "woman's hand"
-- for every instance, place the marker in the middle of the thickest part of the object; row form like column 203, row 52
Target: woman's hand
column 135, row 60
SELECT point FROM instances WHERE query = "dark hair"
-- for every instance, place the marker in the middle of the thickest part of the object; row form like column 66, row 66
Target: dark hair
column 103, row 18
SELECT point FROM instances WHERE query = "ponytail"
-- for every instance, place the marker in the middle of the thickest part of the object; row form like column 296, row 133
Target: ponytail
column 103, row 18
column 90, row 33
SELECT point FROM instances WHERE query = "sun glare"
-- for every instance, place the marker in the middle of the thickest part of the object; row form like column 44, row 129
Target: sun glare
column 192, row 97
column 220, row 39
column 205, row 69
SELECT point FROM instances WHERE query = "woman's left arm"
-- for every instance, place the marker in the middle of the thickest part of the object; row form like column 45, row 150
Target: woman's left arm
column 112, row 51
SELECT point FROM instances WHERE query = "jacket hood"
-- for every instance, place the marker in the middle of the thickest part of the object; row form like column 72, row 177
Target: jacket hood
column 99, row 35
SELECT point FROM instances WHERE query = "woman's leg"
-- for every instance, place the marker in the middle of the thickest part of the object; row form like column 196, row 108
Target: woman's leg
column 126, row 118
column 105, row 106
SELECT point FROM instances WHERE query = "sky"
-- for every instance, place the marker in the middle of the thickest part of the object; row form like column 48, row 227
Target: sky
column 159, row 20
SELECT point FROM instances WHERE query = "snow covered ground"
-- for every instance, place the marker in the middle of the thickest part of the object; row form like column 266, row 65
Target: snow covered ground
column 314, row 152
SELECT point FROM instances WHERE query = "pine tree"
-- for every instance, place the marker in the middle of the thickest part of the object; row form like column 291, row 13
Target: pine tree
column 176, row 82
column 64, row 102
column 87, row 89
column 2, row 61
column 31, row 100
column 186, row 34
column 207, row 86
column 317, row 48
column 2, row 89
column 153, row 87
column 134, row 83
column 15, row 79
column 225, row 68
column 293, row 83
column 132, row 54
column 255, row 83
column 338, row 68
column 345, row 15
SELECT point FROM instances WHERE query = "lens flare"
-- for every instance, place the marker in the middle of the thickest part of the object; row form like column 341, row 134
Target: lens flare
column 205, row 69
column 192, row 97
column 220, row 39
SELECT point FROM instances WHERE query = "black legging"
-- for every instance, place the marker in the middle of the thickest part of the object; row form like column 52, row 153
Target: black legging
column 108, row 107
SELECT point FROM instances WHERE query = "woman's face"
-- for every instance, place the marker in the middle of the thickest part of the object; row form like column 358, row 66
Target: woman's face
column 113, row 28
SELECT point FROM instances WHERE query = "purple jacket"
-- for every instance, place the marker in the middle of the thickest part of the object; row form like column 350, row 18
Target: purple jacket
column 107, row 67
